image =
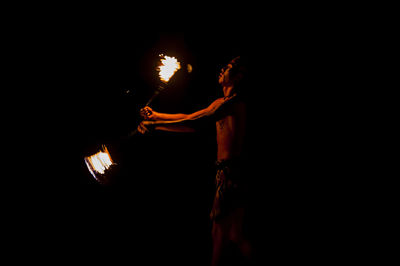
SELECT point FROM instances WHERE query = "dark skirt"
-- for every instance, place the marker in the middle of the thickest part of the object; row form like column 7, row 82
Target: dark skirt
column 231, row 189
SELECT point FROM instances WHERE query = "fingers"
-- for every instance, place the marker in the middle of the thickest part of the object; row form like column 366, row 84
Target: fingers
column 146, row 113
column 143, row 113
column 142, row 128
column 145, row 127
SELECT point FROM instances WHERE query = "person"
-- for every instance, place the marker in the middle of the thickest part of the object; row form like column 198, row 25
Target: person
column 229, row 114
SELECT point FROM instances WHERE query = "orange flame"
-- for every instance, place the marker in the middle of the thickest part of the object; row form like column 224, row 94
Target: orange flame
column 169, row 65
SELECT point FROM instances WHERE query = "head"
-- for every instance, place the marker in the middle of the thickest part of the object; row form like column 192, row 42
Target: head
column 232, row 75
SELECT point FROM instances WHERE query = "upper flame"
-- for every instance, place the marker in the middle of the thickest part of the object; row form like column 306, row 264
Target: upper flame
column 99, row 162
column 169, row 65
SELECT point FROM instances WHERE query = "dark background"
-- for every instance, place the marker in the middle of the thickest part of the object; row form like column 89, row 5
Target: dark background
column 164, row 182
column 90, row 82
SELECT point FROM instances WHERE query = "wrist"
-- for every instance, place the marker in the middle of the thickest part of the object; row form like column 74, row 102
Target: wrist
column 155, row 116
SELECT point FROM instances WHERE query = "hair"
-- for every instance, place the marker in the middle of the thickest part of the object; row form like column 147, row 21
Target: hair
column 237, row 66
column 240, row 67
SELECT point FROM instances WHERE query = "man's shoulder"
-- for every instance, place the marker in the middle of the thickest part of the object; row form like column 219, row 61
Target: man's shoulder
column 219, row 100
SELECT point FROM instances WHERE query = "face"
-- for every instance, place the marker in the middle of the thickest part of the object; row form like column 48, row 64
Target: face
column 223, row 77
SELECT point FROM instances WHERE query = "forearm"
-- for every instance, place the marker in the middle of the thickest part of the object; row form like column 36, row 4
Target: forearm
column 174, row 126
column 170, row 117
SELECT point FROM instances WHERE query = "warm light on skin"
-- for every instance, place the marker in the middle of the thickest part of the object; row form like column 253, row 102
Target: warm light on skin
column 223, row 77
column 169, row 65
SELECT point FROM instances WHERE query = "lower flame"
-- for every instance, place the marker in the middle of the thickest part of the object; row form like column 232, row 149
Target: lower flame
column 99, row 162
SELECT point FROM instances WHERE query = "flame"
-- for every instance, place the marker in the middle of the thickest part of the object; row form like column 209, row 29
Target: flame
column 169, row 65
column 99, row 162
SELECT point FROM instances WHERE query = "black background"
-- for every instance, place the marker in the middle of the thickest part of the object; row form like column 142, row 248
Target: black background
column 87, row 83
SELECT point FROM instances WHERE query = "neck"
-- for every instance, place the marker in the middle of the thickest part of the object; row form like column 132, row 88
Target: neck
column 227, row 90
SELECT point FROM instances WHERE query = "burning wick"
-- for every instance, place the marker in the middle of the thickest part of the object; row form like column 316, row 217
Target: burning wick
column 99, row 162
column 169, row 65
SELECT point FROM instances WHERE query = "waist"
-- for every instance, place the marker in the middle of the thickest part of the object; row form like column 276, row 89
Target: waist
column 236, row 162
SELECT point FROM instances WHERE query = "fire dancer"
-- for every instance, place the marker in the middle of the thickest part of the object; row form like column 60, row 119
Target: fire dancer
column 229, row 114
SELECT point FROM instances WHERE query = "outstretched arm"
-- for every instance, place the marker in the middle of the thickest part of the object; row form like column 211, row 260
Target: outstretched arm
column 180, row 122
column 149, row 114
column 175, row 126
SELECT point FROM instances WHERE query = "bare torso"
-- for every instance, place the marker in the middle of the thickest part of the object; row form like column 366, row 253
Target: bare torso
column 231, row 131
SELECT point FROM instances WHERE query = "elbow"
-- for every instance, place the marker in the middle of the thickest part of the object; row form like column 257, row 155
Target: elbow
column 190, row 117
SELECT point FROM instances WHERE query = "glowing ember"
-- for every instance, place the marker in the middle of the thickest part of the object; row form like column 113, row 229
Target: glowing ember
column 168, row 68
column 99, row 162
